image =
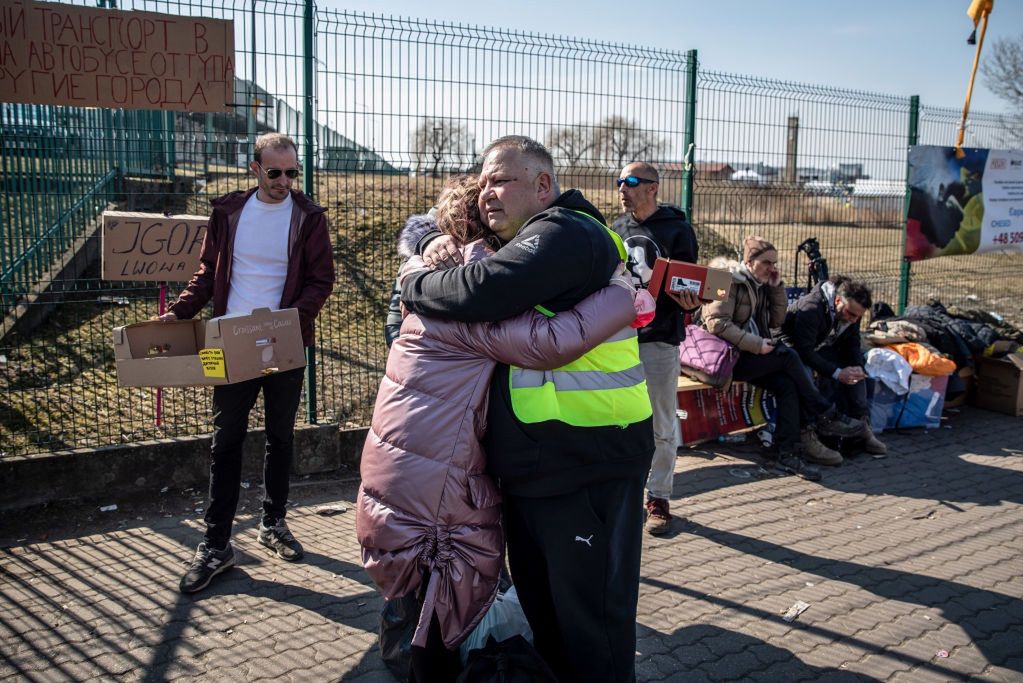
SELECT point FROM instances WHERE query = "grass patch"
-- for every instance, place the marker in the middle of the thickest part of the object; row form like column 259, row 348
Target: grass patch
column 58, row 385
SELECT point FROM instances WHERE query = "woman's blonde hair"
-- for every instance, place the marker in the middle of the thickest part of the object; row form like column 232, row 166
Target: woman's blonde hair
column 458, row 212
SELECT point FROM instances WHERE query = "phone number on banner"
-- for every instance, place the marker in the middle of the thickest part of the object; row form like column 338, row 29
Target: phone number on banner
column 1008, row 238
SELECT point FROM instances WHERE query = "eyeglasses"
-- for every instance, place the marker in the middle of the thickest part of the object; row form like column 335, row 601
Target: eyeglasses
column 275, row 173
column 632, row 181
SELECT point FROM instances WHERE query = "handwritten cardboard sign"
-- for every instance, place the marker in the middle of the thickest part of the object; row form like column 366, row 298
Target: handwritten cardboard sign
column 54, row 53
column 151, row 247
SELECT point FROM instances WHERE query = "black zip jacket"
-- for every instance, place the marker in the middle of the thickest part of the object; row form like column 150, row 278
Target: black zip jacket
column 664, row 233
column 557, row 259
column 808, row 322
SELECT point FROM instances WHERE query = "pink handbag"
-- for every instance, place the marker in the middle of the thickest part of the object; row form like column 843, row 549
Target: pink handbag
column 710, row 358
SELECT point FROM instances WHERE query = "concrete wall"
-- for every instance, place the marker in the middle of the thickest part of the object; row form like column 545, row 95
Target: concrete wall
column 138, row 469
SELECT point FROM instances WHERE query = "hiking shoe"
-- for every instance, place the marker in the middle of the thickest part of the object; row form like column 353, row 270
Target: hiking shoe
column 279, row 539
column 207, row 563
column 874, row 445
column 790, row 463
column 833, row 423
column 815, row 451
column 658, row 519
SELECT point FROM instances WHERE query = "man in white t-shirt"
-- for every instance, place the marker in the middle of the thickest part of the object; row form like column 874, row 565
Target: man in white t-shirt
column 267, row 247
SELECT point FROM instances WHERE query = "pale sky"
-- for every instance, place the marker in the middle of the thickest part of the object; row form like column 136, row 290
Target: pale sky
column 895, row 47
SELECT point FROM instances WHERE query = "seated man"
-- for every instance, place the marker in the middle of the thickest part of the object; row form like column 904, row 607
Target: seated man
column 823, row 326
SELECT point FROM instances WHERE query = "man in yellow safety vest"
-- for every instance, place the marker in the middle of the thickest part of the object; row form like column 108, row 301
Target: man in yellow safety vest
column 570, row 448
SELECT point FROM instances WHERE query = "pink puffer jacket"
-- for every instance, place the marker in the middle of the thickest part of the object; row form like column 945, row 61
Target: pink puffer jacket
column 425, row 503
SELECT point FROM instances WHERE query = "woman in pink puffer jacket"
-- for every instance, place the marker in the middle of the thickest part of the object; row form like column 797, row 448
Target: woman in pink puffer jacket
column 426, row 508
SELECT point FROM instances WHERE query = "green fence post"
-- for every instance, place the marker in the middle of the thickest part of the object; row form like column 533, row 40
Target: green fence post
column 170, row 143
column 207, row 142
column 914, row 125
column 250, row 103
column 309, row 178
column 689, row 151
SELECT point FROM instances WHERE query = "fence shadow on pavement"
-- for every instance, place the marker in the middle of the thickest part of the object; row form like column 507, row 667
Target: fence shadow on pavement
column 108, row 605
column 957, row 602
column 713, row 653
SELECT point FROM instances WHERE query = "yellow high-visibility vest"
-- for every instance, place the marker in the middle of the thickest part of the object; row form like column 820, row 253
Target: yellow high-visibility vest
column 605, row 387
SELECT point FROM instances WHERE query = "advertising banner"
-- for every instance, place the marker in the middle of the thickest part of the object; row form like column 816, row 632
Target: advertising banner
column 964, row 206
column 706, row 413
column 52, row 53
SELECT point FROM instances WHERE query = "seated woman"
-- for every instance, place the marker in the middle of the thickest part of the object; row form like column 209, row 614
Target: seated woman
column 755, row 305
column 428, row 515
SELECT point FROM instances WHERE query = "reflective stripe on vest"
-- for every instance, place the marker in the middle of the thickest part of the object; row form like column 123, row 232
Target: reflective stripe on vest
column 605, row 387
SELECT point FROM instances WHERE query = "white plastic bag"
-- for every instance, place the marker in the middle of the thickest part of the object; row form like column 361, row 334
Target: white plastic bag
column 503, row 620
column 889, row 368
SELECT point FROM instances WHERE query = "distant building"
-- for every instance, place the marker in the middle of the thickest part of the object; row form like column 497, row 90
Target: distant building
column 713, row 170
column 807, row 175
column 850, row 173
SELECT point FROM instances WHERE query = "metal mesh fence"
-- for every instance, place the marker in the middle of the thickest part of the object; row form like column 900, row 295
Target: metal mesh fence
column 401, row 105
column 792, row 161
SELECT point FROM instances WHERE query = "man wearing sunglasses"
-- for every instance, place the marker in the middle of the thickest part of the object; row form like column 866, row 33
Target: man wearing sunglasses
column 266, row 247
column 650, row 230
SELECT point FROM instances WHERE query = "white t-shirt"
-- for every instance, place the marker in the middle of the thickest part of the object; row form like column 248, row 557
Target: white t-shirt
column 260, row 262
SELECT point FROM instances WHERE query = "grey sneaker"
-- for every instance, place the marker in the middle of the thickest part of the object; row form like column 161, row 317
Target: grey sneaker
column 790, row 463
column 279, row 539
column 833, row 423
column 207, row 563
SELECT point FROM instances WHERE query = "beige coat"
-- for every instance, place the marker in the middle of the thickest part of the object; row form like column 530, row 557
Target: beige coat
column 727, row 319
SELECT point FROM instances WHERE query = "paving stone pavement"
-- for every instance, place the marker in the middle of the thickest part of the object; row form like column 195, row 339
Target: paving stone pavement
column 911, row 566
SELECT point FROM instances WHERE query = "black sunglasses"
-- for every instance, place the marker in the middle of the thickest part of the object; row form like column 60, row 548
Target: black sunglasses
column 632, row 181
column 275, row 173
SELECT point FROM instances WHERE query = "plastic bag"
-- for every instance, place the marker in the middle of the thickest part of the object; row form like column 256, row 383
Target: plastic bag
column 645, row 307
column 398, row 622
column 890, row 369
column 509, row 661
column 503, row 620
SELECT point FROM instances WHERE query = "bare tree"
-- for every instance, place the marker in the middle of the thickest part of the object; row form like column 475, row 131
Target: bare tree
column 572, row 142
column 1003, row 75
column 437, row 139
column 620, row 140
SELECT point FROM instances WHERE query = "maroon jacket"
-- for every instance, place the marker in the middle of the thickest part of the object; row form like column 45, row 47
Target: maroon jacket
column 426, row 502
column 310, row 277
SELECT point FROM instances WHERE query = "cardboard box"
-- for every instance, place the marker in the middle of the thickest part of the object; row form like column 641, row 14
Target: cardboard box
column 709, row 284
column 224, row 350
column 705, row 413
column 1000, row 384
column 921, row 407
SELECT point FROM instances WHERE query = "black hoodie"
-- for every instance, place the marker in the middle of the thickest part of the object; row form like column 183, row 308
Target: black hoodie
column 557, row 259
column 664, row 233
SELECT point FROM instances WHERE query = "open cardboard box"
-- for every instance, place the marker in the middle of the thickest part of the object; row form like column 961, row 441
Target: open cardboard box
column 709, row 284
column 1000, row 384
column 224, row 350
